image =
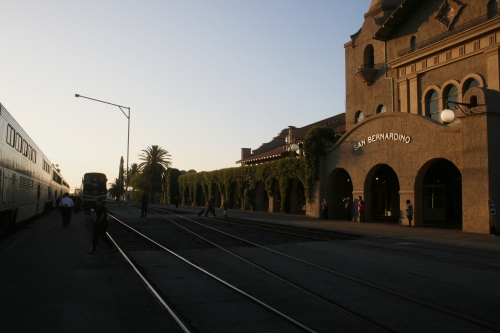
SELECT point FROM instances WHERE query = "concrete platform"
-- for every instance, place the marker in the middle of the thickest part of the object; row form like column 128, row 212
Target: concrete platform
column 445, row 236
column 49, row 283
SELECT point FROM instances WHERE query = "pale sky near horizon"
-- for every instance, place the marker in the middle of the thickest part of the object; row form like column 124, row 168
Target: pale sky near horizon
column 203, row 78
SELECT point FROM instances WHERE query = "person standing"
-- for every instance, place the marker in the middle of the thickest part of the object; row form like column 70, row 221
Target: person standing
column 225, row 207
column 66, row 205
column 361, row 211
column 176, row 202
column 324, row 205
column 144, row 206
column 409, row 212
column 100, row 227
column 348, row 208
column 210, row 205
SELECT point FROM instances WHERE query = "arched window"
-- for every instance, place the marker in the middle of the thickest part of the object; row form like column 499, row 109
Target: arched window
column 359, row 117
column 413, row 43
column 369, row 57
column 451, row 93
column 492, row 9
column 381, row 108
column 470, row 84
column 432, row 105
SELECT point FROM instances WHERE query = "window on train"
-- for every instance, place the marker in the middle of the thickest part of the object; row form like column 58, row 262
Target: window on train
column 19, row 142
column 25, row 148
column 87, row 180
column 11, row 136
column 102, row 178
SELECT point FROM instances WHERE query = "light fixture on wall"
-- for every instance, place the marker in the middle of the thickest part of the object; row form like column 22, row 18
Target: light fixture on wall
column 448, row 115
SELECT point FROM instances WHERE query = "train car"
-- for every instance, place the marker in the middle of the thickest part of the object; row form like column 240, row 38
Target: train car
column 94, row 186
column 29, row 182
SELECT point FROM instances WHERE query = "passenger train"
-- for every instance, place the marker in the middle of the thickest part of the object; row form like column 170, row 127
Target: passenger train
column 93, row 188
column 29, row 182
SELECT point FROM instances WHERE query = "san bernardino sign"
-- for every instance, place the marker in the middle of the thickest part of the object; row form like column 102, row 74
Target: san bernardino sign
column 383, row 136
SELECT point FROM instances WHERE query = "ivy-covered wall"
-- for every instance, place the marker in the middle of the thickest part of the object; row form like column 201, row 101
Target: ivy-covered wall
column 244, row 181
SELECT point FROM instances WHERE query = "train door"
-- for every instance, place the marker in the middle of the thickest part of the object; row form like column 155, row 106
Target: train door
column 6, row 191
column 14, row 190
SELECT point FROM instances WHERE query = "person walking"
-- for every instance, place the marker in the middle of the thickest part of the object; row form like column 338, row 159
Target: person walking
column 361, row 211
column 324, row 206
column 409, row 212
column 144, row 206
column 225, row 207
column 66, row 205
column 348, row 208
column 210, row 205
column 100, row 227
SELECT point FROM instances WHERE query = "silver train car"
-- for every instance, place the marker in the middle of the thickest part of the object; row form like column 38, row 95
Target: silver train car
column 29, row 182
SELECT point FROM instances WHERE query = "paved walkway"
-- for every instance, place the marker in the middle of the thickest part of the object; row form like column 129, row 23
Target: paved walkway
column 423, row 234
column 49, row 283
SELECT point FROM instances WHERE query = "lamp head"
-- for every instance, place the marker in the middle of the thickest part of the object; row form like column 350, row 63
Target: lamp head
column 447, row 115
column 76, row 95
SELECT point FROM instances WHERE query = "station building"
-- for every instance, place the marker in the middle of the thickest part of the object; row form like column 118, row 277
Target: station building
column 422, row 118
column 410, row 61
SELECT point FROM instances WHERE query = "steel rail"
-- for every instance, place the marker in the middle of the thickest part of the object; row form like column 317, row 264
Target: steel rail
column 295, row 322
column 364, row 282
column 148, row 285
column 330, row 302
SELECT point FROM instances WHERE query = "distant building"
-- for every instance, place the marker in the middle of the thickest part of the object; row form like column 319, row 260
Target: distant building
column 279, row 146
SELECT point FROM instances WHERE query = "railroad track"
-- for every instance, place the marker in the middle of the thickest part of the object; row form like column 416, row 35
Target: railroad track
column 186, row 313
column 327, row 237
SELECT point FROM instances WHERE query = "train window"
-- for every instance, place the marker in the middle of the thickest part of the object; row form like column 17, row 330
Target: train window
column 11, row 136
column 33, row 155
column 102, row 178
column 88, row 180
column 25, row 148
column 19, row 142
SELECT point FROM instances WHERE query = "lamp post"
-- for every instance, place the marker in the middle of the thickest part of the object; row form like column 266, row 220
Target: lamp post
column 128, row 132
column 448, row 115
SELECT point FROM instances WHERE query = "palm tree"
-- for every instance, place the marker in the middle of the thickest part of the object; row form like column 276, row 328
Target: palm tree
column 156, row 162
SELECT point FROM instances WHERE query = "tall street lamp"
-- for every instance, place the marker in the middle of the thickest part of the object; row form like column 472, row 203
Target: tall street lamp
column 128, row 133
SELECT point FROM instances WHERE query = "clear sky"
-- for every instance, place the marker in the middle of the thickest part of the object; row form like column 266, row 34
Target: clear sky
column 203, row 78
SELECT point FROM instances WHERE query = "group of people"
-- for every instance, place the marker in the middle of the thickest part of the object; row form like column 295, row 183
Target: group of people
column 100, row 216
column 361, row 209
column 211, row 209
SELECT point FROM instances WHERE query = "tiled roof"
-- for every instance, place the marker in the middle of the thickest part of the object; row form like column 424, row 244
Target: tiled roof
column 276, row 152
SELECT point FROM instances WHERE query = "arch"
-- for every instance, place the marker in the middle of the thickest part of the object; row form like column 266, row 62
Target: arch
column 381, row 108
column 261, row 198
column 339, row 186
column 358, row 117
column 432, row 104
column 369, row 57
column 297, row 198
column 492, row 9
column 471, row 80
column 382, row 198
column 450, row 94
column 413, row 43
column 439, row 183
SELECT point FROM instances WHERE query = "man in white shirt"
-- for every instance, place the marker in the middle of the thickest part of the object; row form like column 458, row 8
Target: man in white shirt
column 66, row 205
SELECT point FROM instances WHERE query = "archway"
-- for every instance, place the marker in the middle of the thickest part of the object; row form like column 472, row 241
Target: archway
column 384, row 198
column 262, row 198
column 297, row 198
column 341, row 188
column 442, row 195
